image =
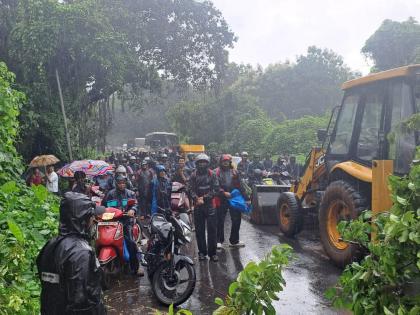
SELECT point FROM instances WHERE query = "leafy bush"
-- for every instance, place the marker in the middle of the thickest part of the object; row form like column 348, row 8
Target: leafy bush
column 296, row 136
column 28, row 216
column 387, row 280
column 257, row 285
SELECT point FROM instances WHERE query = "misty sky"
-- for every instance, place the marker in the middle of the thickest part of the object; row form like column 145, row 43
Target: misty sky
column 275, row 30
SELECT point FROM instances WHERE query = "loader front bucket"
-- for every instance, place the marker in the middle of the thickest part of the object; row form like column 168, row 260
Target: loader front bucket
column 264, row 203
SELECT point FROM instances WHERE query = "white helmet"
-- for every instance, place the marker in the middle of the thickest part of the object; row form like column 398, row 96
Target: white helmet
column 202, row 157
column 120, row 169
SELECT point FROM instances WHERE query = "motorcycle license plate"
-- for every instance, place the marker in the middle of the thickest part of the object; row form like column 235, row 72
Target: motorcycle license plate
column 107, row 223
column 176, row 196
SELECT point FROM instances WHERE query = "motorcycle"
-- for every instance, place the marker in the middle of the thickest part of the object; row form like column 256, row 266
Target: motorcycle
column 171, row 274
column 179, row 198
column 109, row 241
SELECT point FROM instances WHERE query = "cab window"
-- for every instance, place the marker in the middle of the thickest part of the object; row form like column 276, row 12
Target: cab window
column 401, row 141
column 368, row 144
column 344, row 126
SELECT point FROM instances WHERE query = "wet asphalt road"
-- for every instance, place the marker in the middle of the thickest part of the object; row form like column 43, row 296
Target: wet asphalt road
column 307, row 277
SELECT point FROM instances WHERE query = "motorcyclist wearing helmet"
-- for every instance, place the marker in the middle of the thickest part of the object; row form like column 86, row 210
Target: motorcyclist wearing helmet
column 68, row 269
column 243, row 165
column 161, row 188
column 118, row 198
column 203, row 187
column 229, row 179
column 254, row 165
column 122, row 171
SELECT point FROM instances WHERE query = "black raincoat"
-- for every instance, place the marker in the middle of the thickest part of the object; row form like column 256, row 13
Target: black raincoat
column 69, row 271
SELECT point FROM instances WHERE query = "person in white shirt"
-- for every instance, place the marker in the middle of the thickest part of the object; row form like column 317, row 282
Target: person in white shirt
column 52, row 180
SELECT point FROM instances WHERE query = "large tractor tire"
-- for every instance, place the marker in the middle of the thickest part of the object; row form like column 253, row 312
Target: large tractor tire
column 341, row 201
column 289, row 215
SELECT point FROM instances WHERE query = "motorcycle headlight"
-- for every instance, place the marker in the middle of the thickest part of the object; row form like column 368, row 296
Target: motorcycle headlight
column 187, row 233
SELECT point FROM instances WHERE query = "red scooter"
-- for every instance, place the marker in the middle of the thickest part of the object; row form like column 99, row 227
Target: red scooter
column 109, row 243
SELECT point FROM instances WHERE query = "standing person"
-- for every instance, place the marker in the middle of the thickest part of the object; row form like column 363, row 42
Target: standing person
column 190, row 164
column 280, row 166
column 35, row 178
column 118, row 198
column 268, row 163
column 293, row 168
column 254, row 165
column 243, row 165
column 180, row 175
column 52, row 180
column 144, row 178
column 203, row 187
column 161, row 190
column 68, row 268
column 229, row 179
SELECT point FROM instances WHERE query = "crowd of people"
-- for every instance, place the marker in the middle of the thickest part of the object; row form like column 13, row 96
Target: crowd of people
column 146, row 178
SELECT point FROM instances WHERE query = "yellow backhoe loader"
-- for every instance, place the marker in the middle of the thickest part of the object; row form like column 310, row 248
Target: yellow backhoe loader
column 363, row 144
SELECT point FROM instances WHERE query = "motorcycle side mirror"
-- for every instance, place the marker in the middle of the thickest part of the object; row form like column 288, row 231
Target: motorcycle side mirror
column 131, row 202
column 322, row 135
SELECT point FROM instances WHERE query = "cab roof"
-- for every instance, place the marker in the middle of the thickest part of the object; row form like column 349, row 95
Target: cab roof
column 383, row 75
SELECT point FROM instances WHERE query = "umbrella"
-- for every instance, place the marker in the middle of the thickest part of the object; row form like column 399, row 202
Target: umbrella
column 43, row 160
column 89, row 167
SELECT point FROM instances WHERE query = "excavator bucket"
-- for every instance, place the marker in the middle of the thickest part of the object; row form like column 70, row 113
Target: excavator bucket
column 264, row 203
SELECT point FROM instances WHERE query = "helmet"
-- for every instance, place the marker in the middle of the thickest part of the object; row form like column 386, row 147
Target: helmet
column 146, row 159
column 120, row 178
column 244, row 153
column 160, row 168
column 144, row 162
column 120, row 169
column 226, row 157
column 133, row 158
column 164, row 156
column 202, row 157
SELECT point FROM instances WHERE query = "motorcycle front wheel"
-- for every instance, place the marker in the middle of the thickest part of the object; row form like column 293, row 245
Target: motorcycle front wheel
column 174, row 289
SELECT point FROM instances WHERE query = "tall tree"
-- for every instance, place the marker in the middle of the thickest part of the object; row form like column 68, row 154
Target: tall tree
column 394, row 44
column 101, row 48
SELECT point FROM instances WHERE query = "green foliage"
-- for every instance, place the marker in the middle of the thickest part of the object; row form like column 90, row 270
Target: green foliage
column 28, row 216
column 394, row 44
column 257, row 285
column 171, row 311
column 10, row 102
column 387, row 280
column 295, row 136
column 101, row 49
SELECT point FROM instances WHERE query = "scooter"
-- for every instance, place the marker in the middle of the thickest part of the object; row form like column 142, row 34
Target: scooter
column 110, row 243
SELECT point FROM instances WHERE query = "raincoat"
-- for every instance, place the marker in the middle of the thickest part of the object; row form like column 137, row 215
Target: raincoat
column 68, row 269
